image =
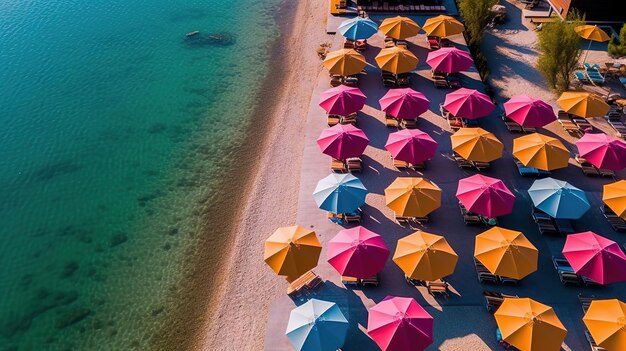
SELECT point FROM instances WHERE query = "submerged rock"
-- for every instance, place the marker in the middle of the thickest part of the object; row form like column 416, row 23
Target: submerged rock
column 212, row 39
column 72, row 317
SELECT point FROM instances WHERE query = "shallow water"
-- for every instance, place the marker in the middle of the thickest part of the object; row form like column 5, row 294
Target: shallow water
column 115, row 129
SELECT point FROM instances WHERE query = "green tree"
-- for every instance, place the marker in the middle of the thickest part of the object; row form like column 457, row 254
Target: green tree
column 476, row 15
column 618, row 49
column 559, row 47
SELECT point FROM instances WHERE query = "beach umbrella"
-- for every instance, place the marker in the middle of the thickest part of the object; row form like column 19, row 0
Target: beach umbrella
column 449, row 60
column 614, row 196
column 485, row 196
column 340, row 193
column 358, row 28
column 583, row 104
column 558, row 199
column 342, row 100
column 396, row 60
column 591, row 33
column 412, row 196
column 411, row 145
column 399, row 27
column 529, row 112
column 317, row 325
column 595, row 257
column 400, row 324
column 468, row 103
column 506, row 252
column 476, row 144
column 425, row 256
column 603, row 151
column 443, row 26
column 292, row 251
column 530, row 325
column 404, row 103
column 342, row 141
column 344, row 62
column 357, row 252
column 541, row 152
column 606, row 321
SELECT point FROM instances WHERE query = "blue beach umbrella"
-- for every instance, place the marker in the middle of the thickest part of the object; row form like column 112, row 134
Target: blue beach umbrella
column 317, row 326
column 340, row 193
column 558, row 199
column 358, row 28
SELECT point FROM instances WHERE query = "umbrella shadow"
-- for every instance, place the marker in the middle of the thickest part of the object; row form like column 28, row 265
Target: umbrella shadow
column 375, row 130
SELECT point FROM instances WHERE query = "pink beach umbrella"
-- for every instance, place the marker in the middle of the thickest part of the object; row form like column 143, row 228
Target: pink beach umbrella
column 486, row 196
column 404, row 103
column 357, row 252
column 595, row 257
column 603, row 151
column 529, row 112
column 411, row 145
column 342, row 141
column 449, row 60
column 468, row 103
column 400, row 324
column 342, row 100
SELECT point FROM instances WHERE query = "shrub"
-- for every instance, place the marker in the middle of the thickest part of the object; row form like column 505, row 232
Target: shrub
column 618, row 49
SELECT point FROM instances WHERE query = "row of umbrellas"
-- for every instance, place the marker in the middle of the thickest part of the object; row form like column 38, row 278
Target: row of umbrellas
column 399, row 27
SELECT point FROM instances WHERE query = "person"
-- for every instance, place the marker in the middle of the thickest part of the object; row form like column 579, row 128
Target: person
column 499, row 338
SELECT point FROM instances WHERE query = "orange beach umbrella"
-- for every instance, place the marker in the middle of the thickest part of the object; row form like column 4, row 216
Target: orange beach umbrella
column 344, row 62
column 396, row 60
column 476, row 144
column 530, row 325
column 614, row 196
column 506, row 252
column 292, row 251
column 593, row 33
column 541, row 152
column 606, row 321
column 425, row 256
column 443, row 26
column 583, row 104
column 399, row 27
column 412, row 196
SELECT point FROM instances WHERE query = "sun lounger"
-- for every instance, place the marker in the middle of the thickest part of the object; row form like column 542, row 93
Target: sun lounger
column 353, row 217
column 481, row 165
column 511, row 125
column 461, row 162
column 585, row 301
column 582, row 123
column 349, row 119
column 564, row 226
column 484, row 275
column 581, row 77
column 495, row 299
column 567, row 124
column 613, row 219
column 469, row 217
column 337, row 218
column 333, row 120
column 391, row 121
column 507, row 280
column 371, row 281
column 308, row 281
column 565, row 271
column 405, row 165
column 587, row 168
column 433, row 43
column 455, row 123
column 437, row 287
column 592, row 343
column 351, row 281
column 335, row 80
column 354, row 164
column 408, row 123
column 544, row 222
column 441, row 83
column 402, row 44
column 444, row 42
column 351, row 81
column 530, row 171
column 360, row 45
column 338, row 166
column 444, row 113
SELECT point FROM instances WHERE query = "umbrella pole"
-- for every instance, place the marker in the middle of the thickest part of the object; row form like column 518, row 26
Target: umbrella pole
column 587, row 53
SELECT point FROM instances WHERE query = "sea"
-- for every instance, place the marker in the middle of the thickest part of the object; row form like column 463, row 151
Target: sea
column 116, row 131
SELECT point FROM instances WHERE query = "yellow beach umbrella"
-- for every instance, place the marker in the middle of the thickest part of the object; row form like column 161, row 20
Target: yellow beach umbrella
column 506, row 252
column 344, row 62
column 412, row 196
column 590, row 32
column 614, row 196
column 541, row 152
column 292, row 251
column 425, row 256
column 399, row 27
column 476, row 144
column 583, row 104
column 396, row 60
column 530, row 325
column 606, row 321
column 443, row 26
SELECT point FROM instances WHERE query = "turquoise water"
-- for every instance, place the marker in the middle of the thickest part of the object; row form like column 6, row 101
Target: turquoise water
column 115, row 127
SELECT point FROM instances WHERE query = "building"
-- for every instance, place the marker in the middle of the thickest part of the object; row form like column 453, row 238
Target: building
column 595, row 11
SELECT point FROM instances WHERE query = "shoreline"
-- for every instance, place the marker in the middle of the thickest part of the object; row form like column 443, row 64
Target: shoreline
column 193, row 325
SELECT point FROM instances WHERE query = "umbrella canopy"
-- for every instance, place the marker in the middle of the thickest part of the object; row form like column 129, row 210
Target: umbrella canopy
column 344, row 62
column 529, row 112
column 606, row 321
column 468, row 103
column 593, row 33
column 411, row 145
column 603, row 151
column 476, row 144
column 340, row 193
column 595, row 257
column 412, row 196
column 317, row 325
column 425, row 256
column 443, row 26
column 506, row 252
column 530, row 325
column 357, row 252
column 583, row 104
column 399, row 27
column 486, row 196
column 400, row 324
column 614, row 196
column 449, row 60
column 342, row 141
column 358, row 28
column 396, row 60
column 292, row 251
column 541, row 152
column 342, row 100
column 558, row 199
column 404, row 103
